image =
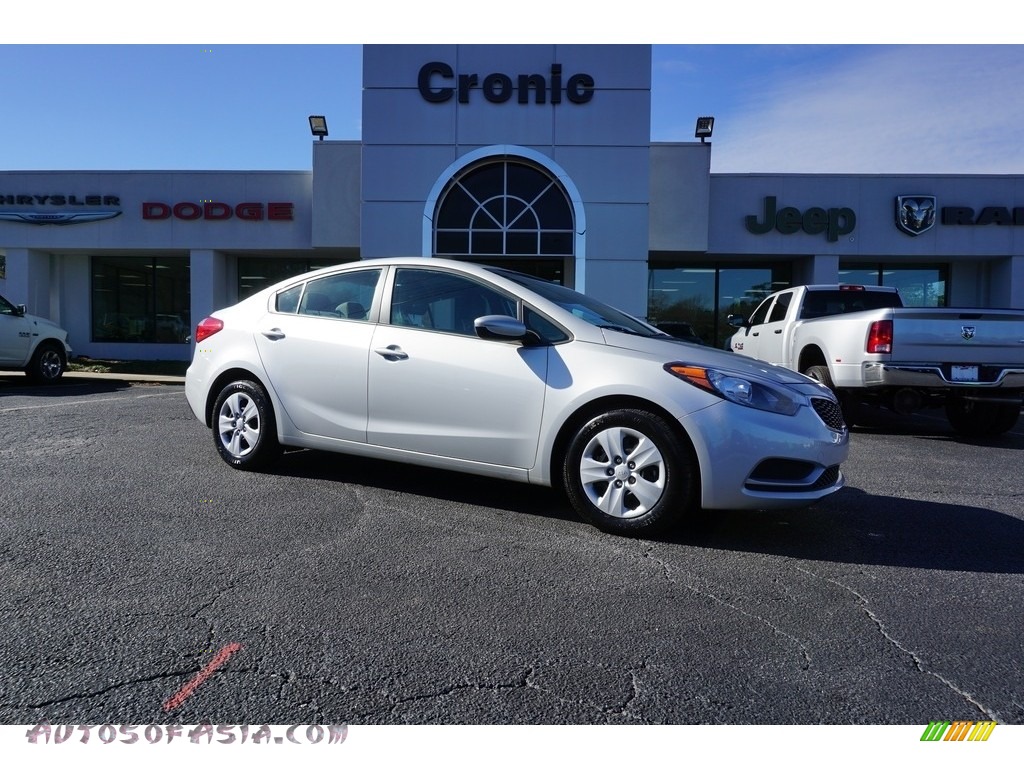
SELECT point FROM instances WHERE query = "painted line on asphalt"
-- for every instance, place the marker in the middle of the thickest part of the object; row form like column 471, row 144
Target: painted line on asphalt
column 189, row 688
column 88, row 402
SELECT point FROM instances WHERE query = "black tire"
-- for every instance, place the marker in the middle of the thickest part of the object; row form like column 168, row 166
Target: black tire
column 979, row 419
column 48, row 363
column 650, row 495
column 821, row 375
column 244, row 428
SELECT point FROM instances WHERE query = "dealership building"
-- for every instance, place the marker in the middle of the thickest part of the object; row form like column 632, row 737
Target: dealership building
column 536, row 157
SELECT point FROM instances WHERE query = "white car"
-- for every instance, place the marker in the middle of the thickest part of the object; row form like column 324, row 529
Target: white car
column 459, row 366
column 32, row 344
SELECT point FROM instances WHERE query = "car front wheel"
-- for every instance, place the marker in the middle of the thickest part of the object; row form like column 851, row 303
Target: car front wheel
column 244, row 430
column 627, row 472
column 47, row 364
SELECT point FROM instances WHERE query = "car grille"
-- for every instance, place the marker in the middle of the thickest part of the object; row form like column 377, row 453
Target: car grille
column 830, row 413
column 828, row 478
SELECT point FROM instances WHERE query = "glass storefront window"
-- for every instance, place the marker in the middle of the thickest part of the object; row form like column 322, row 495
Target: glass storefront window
column 920, row 285
column 703, row 295
column 138, row 299
column 256, row 273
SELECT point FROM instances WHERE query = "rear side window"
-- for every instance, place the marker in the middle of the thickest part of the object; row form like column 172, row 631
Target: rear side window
column 344, row 296
column 826, row 303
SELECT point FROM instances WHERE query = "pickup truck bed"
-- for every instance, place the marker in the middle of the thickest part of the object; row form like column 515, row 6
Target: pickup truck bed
column 865, row 345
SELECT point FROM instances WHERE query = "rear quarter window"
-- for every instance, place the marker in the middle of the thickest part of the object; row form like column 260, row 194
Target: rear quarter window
column 287, row 301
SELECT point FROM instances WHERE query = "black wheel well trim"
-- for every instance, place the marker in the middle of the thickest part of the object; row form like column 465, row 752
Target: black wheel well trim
column 55, row 344
column 232, row 374
column 811, row 355
column 595, row 408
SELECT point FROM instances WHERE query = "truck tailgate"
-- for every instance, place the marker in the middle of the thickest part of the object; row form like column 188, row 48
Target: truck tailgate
column 951, row 335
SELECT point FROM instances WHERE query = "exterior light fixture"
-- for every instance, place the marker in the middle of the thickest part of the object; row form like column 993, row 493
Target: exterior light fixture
column 318, row 126
column 705, row 125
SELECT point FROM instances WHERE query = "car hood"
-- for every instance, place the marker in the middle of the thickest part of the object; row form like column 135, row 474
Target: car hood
column 677, row 350
column 55, row 329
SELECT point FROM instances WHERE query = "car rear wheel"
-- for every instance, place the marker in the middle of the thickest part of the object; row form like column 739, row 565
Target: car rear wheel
column 820, row 374
column 979, row 419
column 47, row 364
column 627, row 472
column 244, row 430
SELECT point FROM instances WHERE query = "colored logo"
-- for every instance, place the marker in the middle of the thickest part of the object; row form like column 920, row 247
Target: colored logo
column 958, row 730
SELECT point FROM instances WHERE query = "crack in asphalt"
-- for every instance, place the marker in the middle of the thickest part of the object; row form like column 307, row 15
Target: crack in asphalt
column 918, row 662
column 807, row 662
column 524, row 682
column 108, row 689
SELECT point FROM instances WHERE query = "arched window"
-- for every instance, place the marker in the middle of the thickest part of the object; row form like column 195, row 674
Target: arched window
column 504, row 208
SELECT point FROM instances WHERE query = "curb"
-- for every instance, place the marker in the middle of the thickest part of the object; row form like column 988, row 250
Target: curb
column 153, row 378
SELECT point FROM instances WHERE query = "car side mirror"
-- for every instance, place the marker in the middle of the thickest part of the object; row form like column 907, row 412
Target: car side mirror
column 500, row 328
column 737, row 321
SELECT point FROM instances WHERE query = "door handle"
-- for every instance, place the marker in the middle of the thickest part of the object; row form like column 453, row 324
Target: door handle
column 756, row 333
column 778, row 331
column 391, row 352
column 273, row 334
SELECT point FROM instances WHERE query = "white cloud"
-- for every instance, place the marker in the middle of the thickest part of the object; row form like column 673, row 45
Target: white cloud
column 908, row 109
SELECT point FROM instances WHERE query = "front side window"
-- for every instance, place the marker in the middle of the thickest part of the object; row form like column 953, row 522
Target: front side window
column 441, row 301
column 761, row 313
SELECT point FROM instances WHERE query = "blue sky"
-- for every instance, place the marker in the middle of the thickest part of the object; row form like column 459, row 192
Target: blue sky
column 74, row 101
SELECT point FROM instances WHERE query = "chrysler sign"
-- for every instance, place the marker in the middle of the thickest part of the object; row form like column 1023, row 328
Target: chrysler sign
column 39, row 209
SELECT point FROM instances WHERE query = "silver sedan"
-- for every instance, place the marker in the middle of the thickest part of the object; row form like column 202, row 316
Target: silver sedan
column 463, row 367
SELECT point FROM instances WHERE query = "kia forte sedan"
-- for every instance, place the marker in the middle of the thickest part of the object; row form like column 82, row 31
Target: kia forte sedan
column 459, row 366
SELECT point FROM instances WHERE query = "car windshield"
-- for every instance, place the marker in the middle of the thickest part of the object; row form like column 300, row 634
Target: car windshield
column 585, row 308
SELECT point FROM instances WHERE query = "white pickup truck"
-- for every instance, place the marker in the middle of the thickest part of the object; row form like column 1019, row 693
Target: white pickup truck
column 31, row 344
column 865, row 345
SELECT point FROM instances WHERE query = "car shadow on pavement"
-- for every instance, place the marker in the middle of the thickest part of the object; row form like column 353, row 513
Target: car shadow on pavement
column 865, row 529
column 929, row 425
column 11, row 385
column 849, row 527
column 424, row 481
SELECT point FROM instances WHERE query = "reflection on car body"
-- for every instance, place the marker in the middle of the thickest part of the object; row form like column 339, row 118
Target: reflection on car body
column 462, row 367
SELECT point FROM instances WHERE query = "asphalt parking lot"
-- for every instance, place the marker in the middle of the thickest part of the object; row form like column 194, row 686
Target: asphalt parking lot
column 338, row 590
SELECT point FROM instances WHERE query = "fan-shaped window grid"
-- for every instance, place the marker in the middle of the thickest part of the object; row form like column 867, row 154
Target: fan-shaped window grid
column 504, row 209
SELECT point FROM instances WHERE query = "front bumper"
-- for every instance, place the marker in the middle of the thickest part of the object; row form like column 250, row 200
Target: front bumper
column 752, row 459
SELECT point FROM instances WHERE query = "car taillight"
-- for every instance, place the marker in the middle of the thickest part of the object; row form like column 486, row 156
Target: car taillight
column 880, row 337
column 207, row 327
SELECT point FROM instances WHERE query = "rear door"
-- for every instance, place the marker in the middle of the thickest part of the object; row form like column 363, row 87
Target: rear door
column 314, row 344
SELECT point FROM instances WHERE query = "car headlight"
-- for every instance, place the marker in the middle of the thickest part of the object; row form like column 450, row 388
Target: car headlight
column 743, row 389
